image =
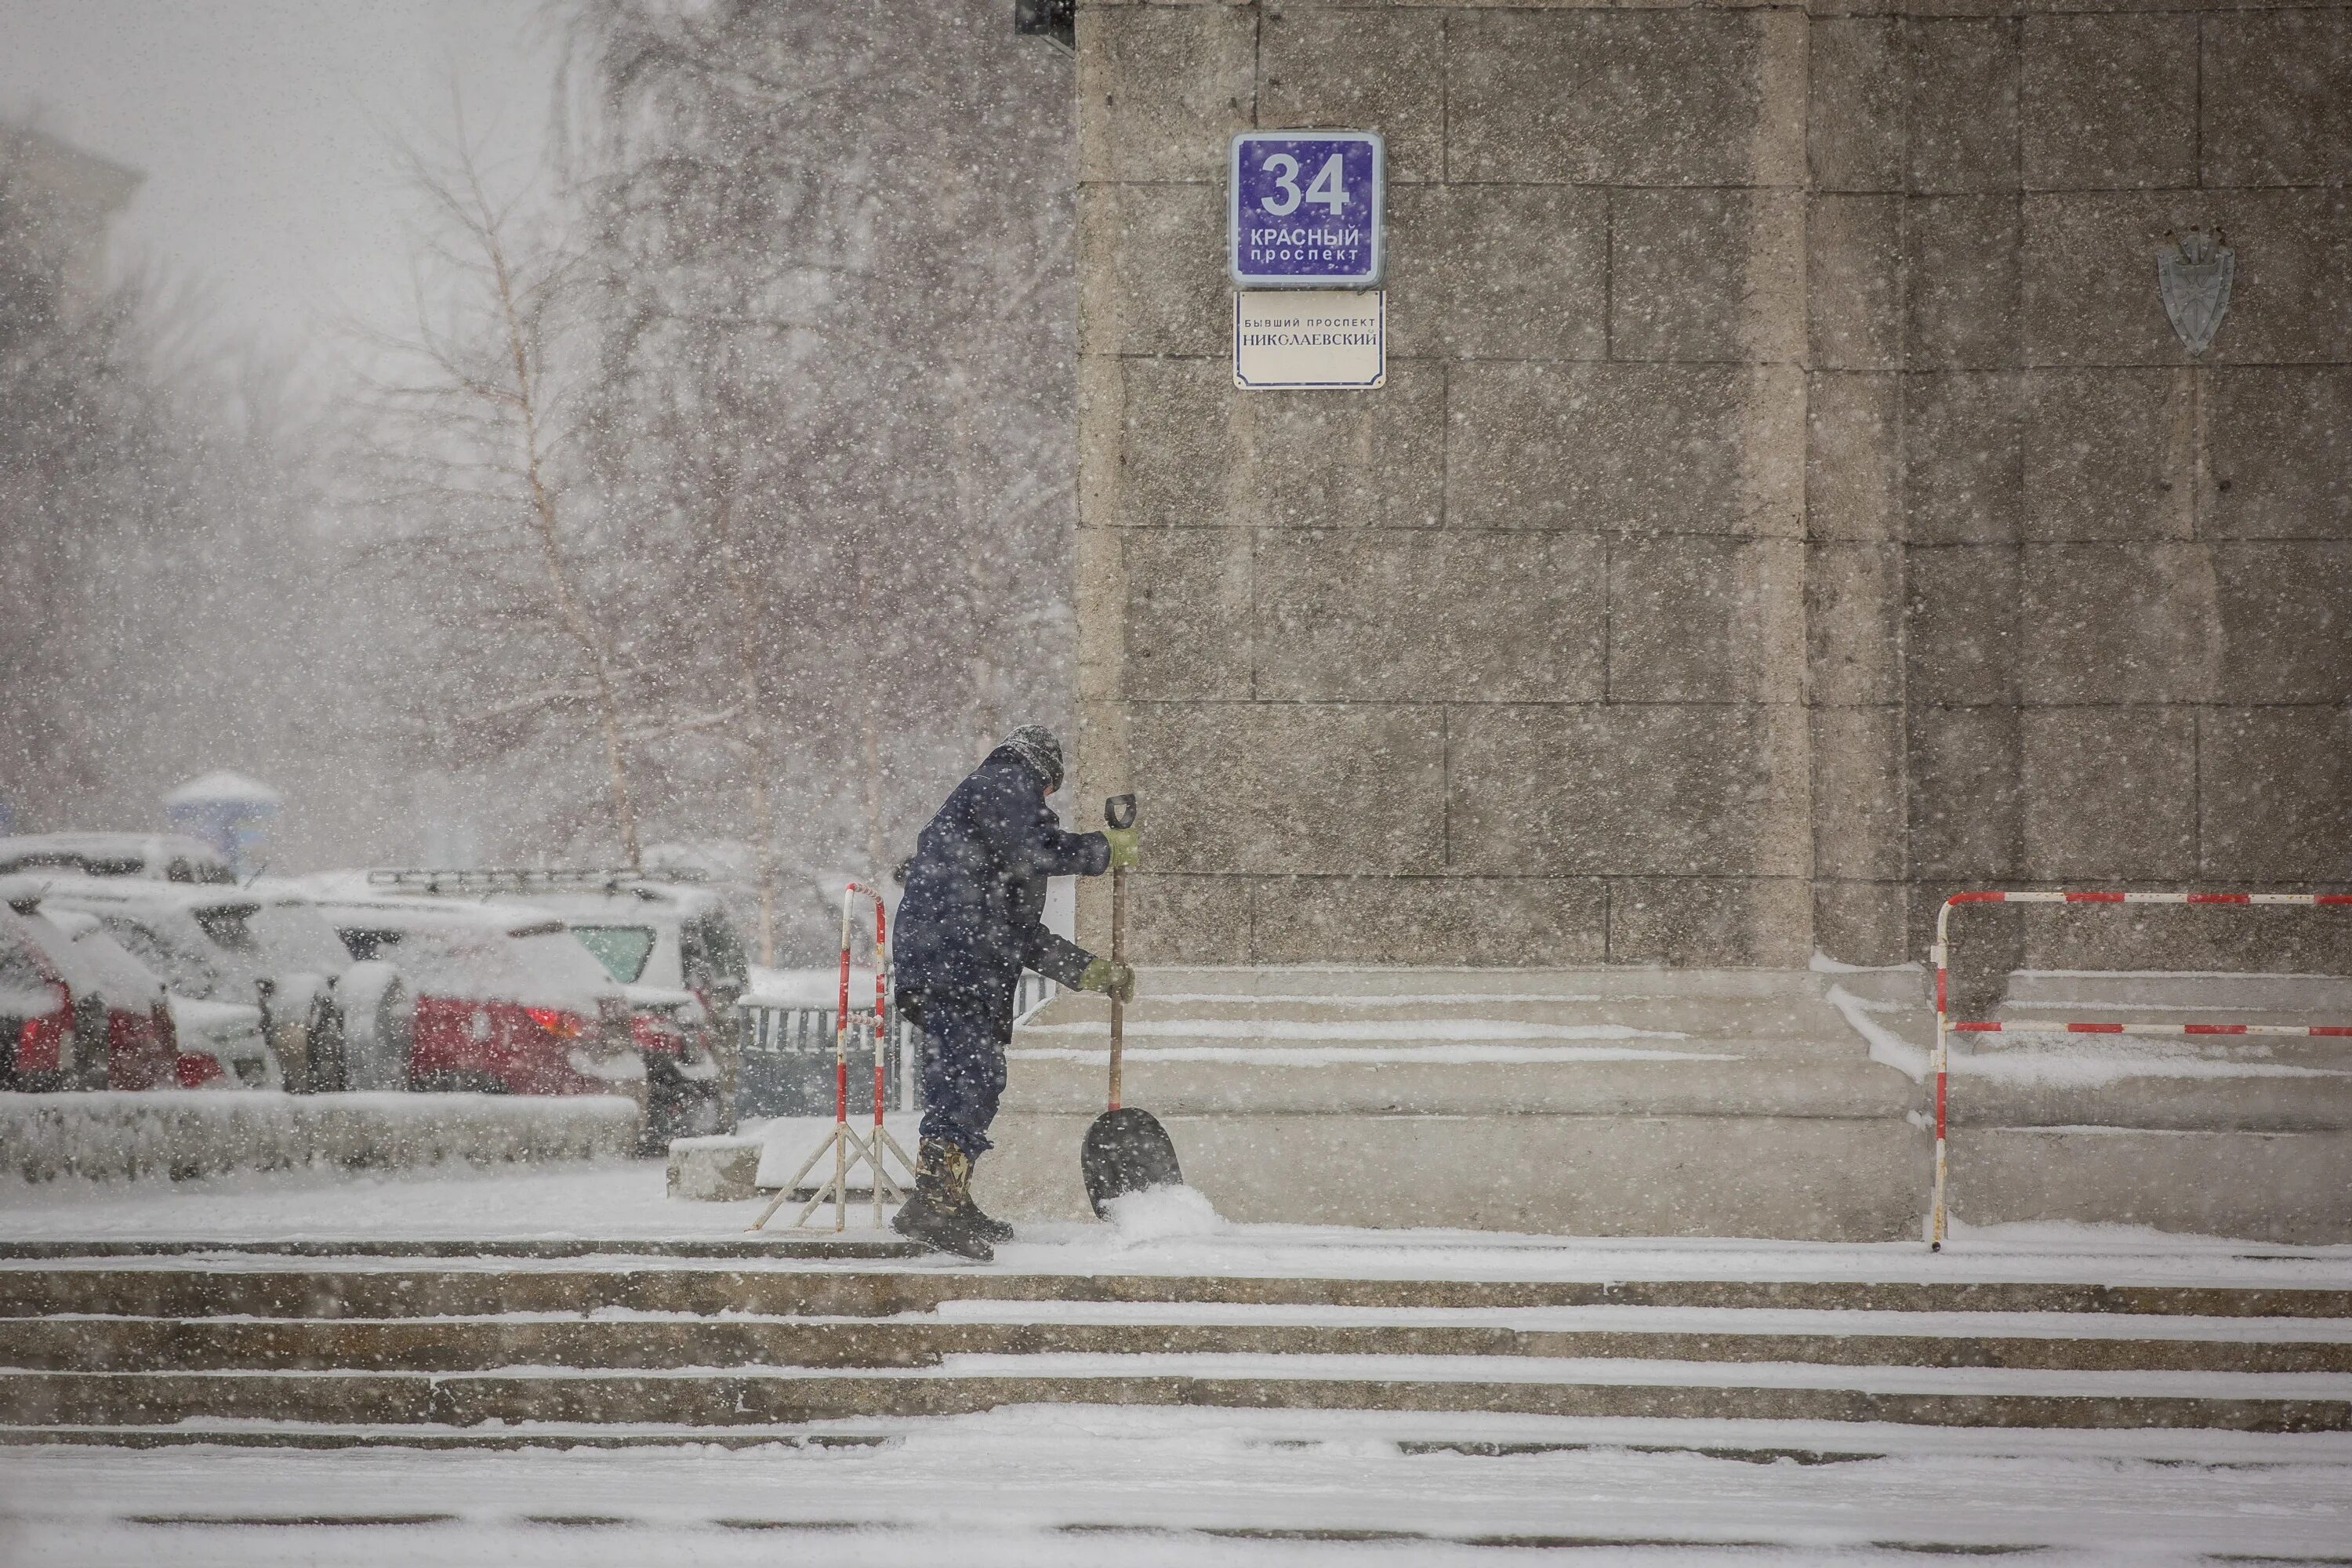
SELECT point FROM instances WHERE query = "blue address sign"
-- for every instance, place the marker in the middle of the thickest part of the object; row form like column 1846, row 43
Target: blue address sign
column 1305, row 211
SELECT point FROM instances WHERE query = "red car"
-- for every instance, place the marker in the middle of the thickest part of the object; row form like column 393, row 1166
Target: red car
column 507, row 1002
column 76, row 1012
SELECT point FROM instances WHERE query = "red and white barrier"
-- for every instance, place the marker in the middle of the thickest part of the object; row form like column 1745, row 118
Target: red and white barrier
column 1940, row 955
column 848, row 1149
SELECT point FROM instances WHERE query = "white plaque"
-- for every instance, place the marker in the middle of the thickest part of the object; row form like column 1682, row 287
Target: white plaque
column 1310, row 337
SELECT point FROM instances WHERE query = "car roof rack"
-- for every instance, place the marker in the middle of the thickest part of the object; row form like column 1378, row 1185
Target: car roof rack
column 521, row 880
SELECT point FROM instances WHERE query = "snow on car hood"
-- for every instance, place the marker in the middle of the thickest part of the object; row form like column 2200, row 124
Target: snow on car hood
column 217, row 1023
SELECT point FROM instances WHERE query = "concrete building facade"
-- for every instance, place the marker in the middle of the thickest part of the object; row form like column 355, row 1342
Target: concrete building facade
column 1789, row 501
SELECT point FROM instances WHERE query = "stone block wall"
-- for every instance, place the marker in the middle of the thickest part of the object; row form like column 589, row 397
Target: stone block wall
column 2111, row 671
column 1787, row 502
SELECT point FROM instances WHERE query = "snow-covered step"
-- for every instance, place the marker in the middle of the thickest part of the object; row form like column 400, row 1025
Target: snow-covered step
column 1613, row 1077
column 1346, row 981
column 427, row 1436
column 1311, row 1269
column 2100, row 1335
column 2186, row 998
column 963, row 1384
column 1304, row 1007
column 1784, row 1104
column 766, row 1244
column 1793, row 1015
column 1578, row 1101
column 670, row 1340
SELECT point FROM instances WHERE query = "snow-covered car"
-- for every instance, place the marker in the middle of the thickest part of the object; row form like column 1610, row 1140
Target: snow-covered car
column 259, row 980
column 142, row 1038
column 507, row 1002
column 157, row 856
column 670, row 943
column 76, row 1011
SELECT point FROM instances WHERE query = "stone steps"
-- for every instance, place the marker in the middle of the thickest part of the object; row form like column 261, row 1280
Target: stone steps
column 316, row 1434
column 1620, row 1101
column 1398, row 984
column 723, row 1397
column 765, row 1243
column 479, row 1344
column 398, row 1289
column 1784, row 1017
column 459, row 1348
column 1691, row 1079
column 1689, row 1102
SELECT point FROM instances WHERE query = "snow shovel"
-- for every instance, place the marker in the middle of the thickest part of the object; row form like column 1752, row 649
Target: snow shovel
column 1126, row 1150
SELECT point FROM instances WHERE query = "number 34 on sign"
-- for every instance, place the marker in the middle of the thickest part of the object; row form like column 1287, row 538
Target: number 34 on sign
column 1306, row 251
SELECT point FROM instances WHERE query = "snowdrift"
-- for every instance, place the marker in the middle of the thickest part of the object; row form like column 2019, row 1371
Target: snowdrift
column 115, row 1136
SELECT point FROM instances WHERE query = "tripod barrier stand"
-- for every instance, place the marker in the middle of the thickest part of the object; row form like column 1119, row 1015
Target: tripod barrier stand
column 843, row 1142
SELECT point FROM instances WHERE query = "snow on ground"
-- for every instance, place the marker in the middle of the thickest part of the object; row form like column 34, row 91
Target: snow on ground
column 617, row 1198
column 109, row 1133
column 1415, row 1031
column 2049, row 1059
column 1451, row 1055
column 792, row 1140
column 1089, row 1485
column 627, row 1200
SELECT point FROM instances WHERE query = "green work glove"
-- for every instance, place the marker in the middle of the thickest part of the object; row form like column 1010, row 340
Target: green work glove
column 1122, row 845
column 1116, row 981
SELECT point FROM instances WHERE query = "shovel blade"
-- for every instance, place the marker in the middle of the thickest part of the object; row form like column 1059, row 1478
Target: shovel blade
column 1127, row 1150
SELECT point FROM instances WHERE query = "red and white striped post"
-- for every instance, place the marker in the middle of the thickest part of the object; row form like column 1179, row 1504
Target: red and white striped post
column 880, row 1037
column 841, row 1069
column 848, row 1148
column 1940, row 955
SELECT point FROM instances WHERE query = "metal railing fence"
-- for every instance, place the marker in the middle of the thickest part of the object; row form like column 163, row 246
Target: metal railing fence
column 784, row 1057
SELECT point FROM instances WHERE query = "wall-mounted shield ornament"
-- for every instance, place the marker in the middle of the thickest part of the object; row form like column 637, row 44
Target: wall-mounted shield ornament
column 2192, row 278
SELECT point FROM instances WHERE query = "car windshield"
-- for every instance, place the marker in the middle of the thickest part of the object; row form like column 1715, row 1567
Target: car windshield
column 622, row 950
column 184, row 966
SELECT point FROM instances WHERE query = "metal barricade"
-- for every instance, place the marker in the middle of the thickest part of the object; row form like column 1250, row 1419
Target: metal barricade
column 784, row 1061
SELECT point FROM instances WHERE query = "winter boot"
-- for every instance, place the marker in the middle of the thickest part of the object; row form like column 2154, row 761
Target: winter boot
column 941, row 1215
column 988, row 1228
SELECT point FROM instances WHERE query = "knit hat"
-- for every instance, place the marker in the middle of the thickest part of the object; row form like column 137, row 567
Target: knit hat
column 1035, row 746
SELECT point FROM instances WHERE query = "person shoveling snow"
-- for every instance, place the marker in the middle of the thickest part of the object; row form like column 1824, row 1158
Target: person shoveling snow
column 970, row 921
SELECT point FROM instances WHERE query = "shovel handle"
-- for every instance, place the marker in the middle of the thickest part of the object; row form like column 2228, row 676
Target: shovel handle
column 1118, row 811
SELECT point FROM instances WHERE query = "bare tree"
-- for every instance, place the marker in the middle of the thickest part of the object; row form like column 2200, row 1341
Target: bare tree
column 478, row 455
column 159, row 554
column 835, row 255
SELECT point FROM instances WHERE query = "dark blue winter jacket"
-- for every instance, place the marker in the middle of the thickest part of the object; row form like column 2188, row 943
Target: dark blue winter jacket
column 971, row 918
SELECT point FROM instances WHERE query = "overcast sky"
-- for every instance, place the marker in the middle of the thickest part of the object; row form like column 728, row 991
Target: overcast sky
column 265, row 130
